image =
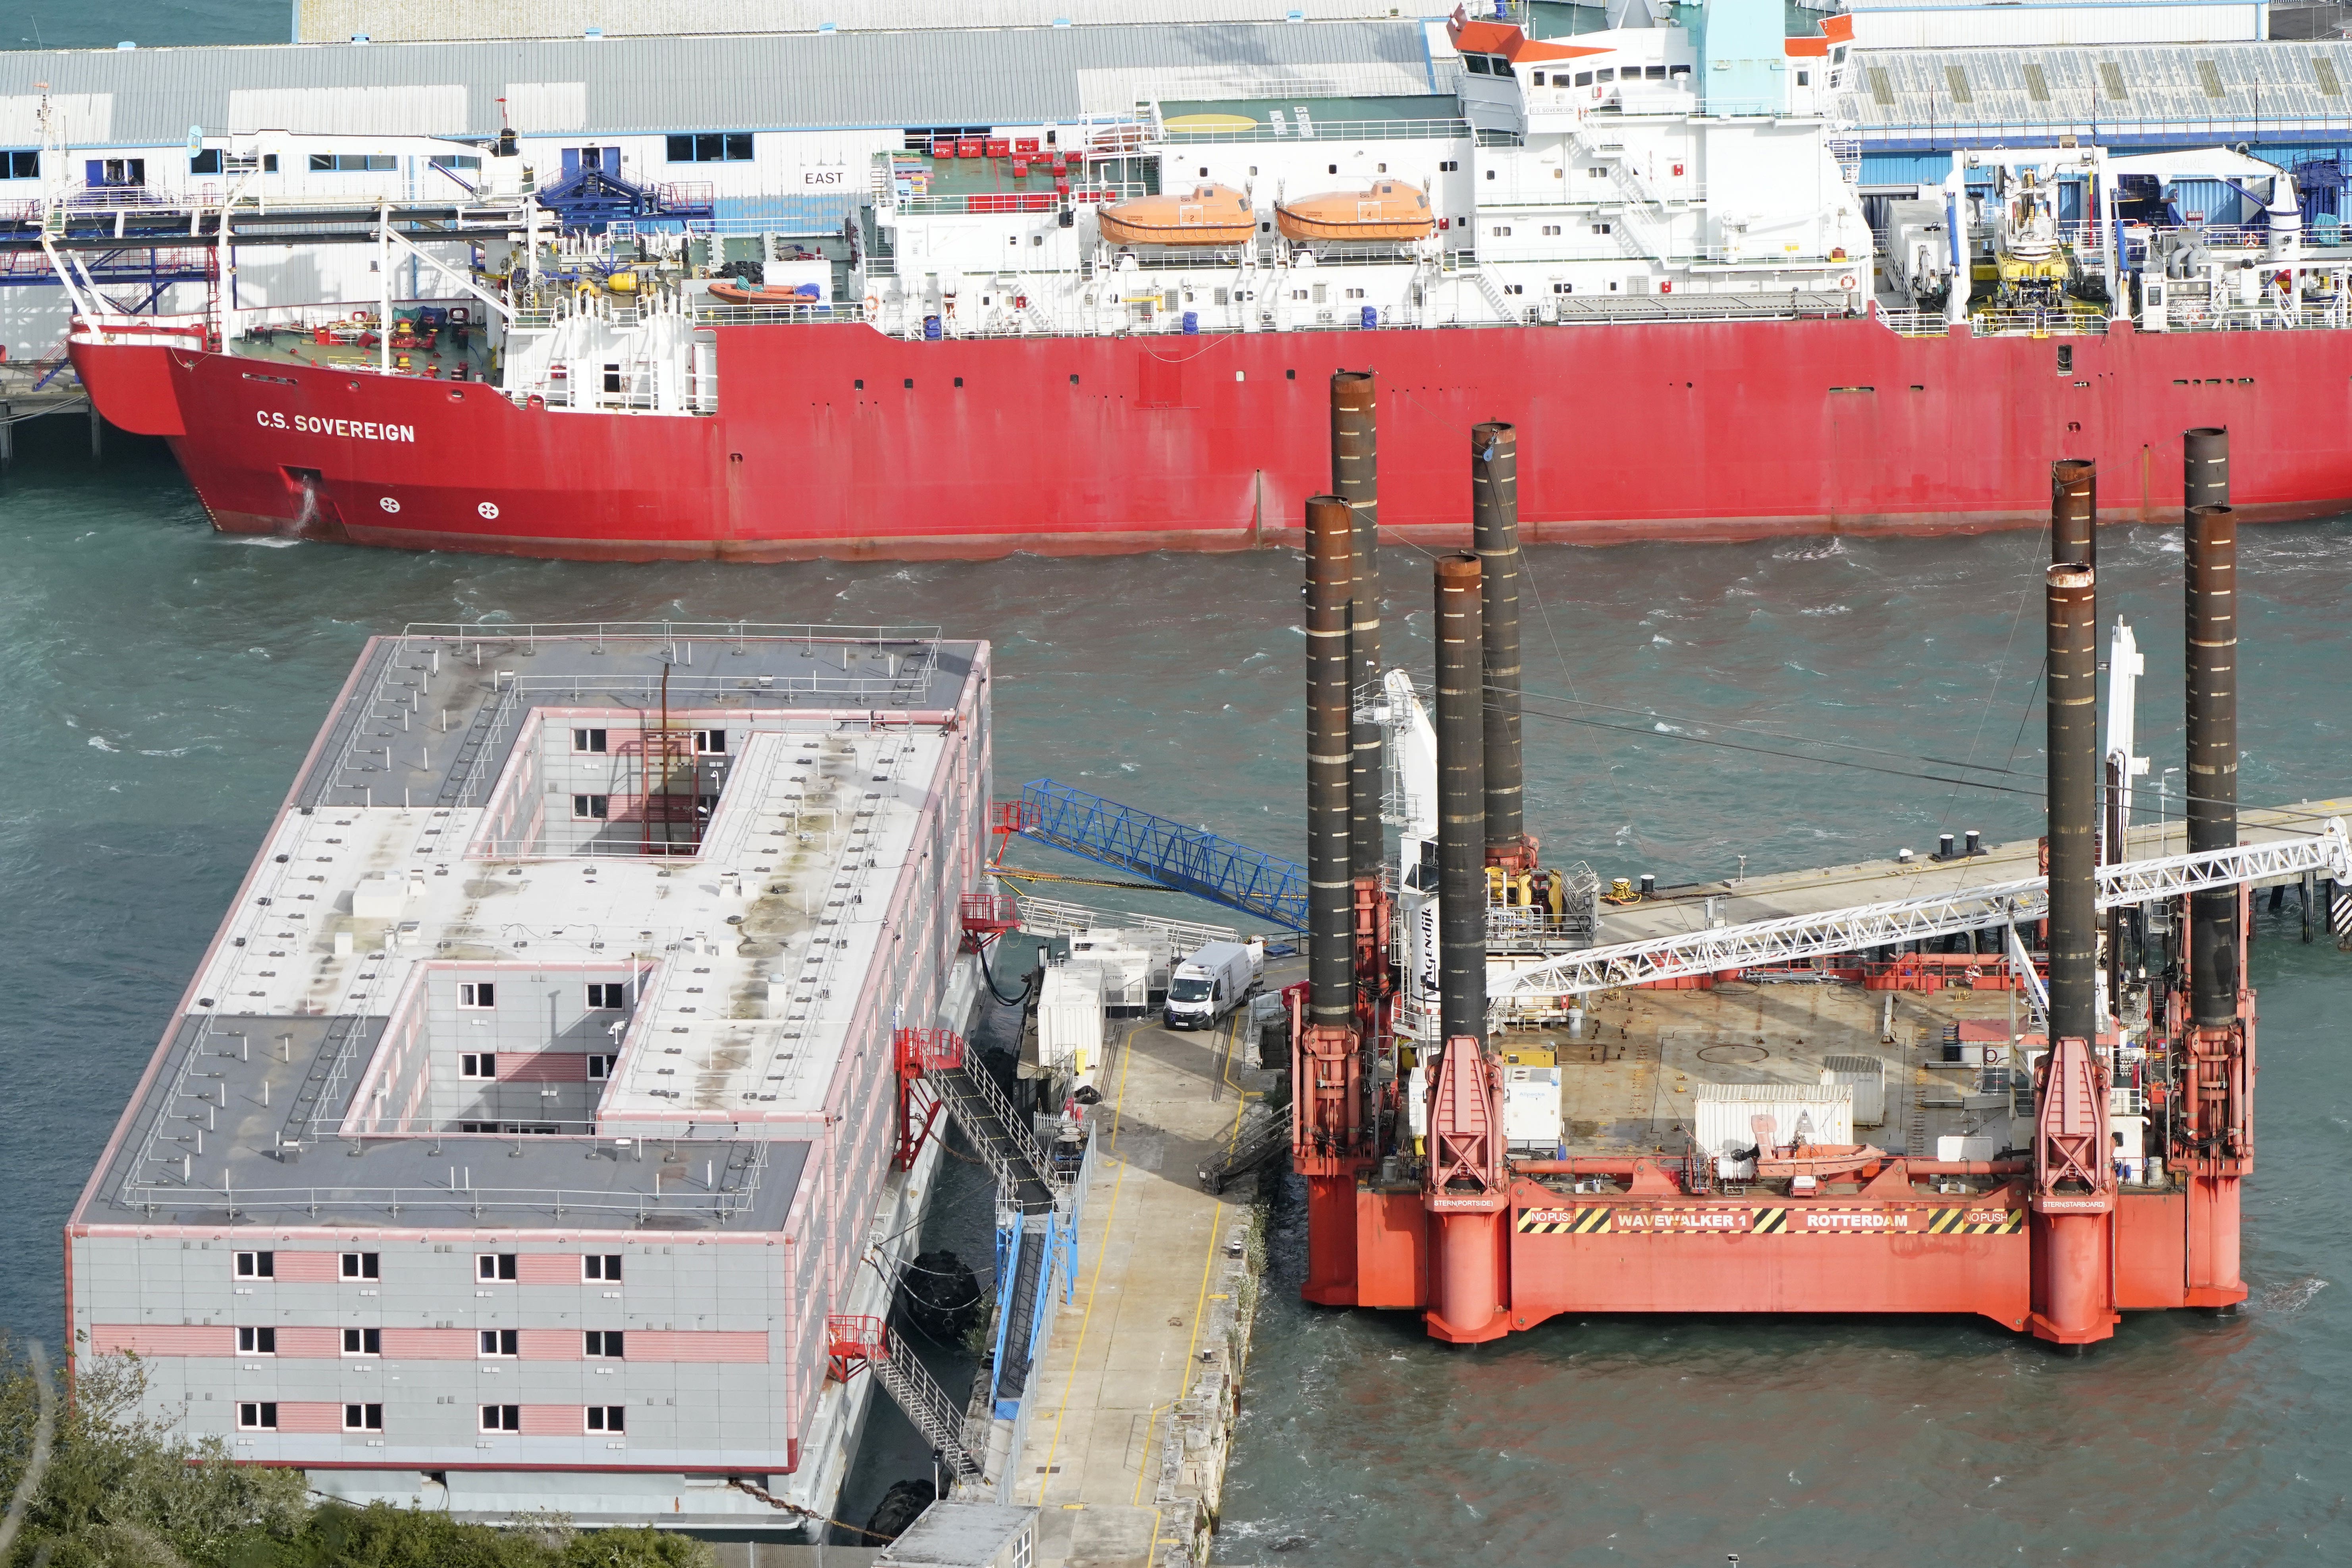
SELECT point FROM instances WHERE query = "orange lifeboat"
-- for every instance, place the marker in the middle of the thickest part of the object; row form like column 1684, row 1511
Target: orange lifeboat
column 1390, row 210
column 1211, row 215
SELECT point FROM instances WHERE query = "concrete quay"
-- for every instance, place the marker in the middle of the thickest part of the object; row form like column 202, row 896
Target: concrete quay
column 1140, row 1381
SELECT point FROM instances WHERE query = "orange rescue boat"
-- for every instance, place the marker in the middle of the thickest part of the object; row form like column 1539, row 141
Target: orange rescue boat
column 1211, row 215
column 1390, row 210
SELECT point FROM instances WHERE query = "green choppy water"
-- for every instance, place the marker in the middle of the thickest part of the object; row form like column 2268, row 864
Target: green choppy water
column 159, row 684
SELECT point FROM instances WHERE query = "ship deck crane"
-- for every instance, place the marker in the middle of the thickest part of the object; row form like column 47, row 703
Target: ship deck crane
column 1768, row 943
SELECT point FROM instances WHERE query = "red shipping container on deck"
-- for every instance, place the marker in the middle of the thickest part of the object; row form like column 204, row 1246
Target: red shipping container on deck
column 996, row 147
column 967, row 146
column 1021, row 144
column 1019, row 168
column 943, row 148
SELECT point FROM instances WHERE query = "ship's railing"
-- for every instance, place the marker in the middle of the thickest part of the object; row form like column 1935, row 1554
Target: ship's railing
column 730, row 1192
column 711, row 312
column 918, row 647
column 1313, row 130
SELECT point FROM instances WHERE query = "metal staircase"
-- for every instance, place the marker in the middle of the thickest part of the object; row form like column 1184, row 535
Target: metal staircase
column 999, row 1133
column 871, row 1343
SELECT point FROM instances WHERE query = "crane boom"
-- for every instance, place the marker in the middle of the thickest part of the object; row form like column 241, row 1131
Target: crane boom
column 1761, row 943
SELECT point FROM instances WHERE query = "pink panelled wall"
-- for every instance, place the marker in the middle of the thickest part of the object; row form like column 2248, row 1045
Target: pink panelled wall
column 553, row 1420
column 703, row 1344
column 542, row 1067
column 552, row 1344
column 309, row 1341
column 160, row 1339
column 309, row 1415
column 309, row 1268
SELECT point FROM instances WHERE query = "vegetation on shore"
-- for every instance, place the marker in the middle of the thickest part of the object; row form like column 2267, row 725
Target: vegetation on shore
column 121, row 1489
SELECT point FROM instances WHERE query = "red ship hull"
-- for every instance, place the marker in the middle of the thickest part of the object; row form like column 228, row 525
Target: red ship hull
column 839, row 441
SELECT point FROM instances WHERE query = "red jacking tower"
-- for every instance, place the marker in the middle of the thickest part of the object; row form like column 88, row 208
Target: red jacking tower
column 2049, row 1241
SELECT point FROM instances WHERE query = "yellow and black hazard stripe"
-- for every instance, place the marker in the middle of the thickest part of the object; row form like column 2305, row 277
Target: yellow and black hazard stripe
column 1955, row 1222
column 1770, row 1222
column 1564, row 1222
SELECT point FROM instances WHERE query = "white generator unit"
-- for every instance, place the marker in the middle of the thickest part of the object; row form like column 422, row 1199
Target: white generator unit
column 1070, row 1021
column 1531, row 1108
column 1126, row 969
column 1867, row 1075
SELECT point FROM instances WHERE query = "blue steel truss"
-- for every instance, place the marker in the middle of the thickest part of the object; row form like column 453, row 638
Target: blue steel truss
column 1182, row 859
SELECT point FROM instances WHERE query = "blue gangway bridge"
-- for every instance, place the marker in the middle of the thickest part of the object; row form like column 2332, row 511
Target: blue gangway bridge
column 1180, row 858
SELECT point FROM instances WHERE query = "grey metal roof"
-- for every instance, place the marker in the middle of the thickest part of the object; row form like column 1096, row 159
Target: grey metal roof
column 2116, row 95
column 759, row 81
column 334, row 21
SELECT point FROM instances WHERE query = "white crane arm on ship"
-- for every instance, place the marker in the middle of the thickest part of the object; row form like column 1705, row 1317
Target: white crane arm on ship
column 1759, row 943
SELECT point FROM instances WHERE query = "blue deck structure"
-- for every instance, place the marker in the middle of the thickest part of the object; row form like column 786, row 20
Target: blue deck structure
column 1180, row 858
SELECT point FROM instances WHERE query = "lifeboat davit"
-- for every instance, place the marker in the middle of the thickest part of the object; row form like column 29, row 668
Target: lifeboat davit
column 1390, row 210
column 1211, row 215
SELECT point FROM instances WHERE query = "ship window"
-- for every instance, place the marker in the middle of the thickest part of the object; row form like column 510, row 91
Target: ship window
column 1653, row 73
column 604, row 1266
column 1290, row 376
column 608, row 1419
column 502, row 1417
column 1804, row 79
column 1563, row 288
column 1475, row 65
column 1584, row 79
column 606, row 1343
column 1537, row 78
column 362, row 1265
column 1514, row 287
column 1204, row 172
column 458, row 161
column 1502, row 231
column 607, row 996
column 1608, row 75
column 20, row 165
column 269, row 163
column 1551, row 228
column 1223, row 297
column 500, row 1343
column 1490, row 174
column 256, row 1264
column 1604, row 228
column 364, row 1342
column 258, row 1416
column 207, row 162
column 709, row 147
column 256, row 1341
column 1837, row 57
column 611, row 378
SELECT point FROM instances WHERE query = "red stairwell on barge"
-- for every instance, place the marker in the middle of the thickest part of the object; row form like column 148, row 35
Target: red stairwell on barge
column 838, row 440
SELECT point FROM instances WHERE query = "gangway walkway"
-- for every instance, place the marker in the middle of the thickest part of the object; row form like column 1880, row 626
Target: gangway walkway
column 1180, row 858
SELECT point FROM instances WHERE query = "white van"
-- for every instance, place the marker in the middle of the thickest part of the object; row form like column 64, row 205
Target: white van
column 1211, row 983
